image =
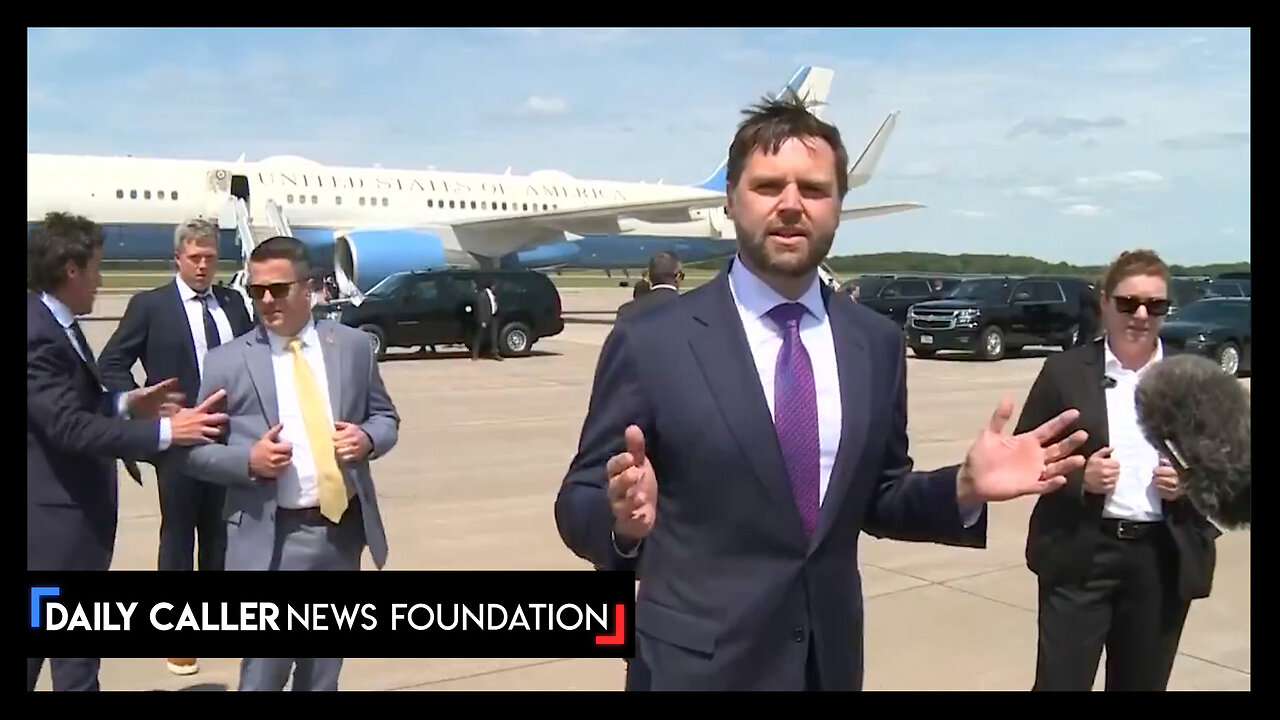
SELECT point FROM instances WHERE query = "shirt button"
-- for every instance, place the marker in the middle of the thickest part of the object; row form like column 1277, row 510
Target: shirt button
column 798, row 634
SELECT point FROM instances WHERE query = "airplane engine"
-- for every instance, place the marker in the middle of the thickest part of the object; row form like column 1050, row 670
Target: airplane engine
column 367, row 257
column 543, row 256
column 320, row 246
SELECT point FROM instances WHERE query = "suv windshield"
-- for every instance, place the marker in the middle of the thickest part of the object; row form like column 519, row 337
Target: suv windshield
column 388, row 285
column 1212, row 312
column 994, row 290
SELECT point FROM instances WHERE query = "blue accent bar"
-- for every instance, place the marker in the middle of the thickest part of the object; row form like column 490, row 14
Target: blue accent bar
column 36, row 594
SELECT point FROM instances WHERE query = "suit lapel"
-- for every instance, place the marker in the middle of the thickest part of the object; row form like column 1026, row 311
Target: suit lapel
column 332, row 366
column 262, row 374
column 1093, row 396
column 720, row 345
column 853, row 369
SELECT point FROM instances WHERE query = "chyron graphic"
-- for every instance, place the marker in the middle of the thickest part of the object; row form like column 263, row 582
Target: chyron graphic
column 619, row 635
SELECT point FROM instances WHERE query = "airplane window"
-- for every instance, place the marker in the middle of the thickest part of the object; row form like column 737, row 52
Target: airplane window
column 484, row 204
column 314, row 200
column 450, row 203
column 120, row 194
column 384, row 202
column 473, row 204
column 302, row 199
column 361, row 202
column 133, row 194
column 526, row 206
column 544, row 206
column 431, row 203
column 159, row 194
column 173, row 195
column 337, row 199
column 146, row 194
column 504, row 206
column 290, row 199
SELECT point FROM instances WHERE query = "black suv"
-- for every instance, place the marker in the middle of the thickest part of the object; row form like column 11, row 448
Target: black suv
column 996, row 315
column 1219, row 328
column 429, row 308
column 891, row 295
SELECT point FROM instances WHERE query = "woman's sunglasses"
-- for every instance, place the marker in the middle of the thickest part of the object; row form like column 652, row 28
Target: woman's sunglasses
column 1129, row 304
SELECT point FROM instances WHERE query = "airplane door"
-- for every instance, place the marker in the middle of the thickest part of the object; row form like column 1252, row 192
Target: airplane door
column 240, row 187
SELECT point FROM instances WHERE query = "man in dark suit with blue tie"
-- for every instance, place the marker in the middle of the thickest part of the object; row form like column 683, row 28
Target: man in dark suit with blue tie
column 740, row 439
column 170, row 329
column 76, row 428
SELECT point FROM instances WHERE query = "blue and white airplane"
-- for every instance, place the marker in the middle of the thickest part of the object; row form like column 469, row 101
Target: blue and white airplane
column 374, row 222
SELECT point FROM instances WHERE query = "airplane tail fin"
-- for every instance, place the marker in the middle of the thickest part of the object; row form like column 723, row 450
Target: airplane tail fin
column 812, row 84
column 861, row 169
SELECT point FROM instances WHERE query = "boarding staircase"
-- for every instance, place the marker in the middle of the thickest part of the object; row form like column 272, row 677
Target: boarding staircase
column 249, row 235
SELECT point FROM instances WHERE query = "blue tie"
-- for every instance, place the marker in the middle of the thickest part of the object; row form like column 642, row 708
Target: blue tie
column 795, row 410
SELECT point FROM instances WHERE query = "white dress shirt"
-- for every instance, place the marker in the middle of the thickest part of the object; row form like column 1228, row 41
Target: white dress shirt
column 1134, row 495
column 191, row 302
column 296, row 487
column 66, row 319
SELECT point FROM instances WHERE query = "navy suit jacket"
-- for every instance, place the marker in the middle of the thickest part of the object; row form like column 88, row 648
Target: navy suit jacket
column 155, row 330
column 73, row 440
column 733, row 592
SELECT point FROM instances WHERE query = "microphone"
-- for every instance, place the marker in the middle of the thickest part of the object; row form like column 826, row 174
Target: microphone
column 1198, row 417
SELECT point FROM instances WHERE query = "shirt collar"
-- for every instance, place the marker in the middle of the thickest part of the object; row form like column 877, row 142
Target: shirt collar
column 754, row 296
column 60, row 311
column 664, row 285
column 1113, row 365
column 186, row 291
column 307, row 334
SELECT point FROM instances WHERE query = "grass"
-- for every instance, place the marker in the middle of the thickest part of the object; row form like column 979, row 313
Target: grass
column 132, row 279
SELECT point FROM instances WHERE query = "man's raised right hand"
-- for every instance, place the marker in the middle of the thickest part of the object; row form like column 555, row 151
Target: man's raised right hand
column 270, row 455
column 197, row 425
column 633, row 489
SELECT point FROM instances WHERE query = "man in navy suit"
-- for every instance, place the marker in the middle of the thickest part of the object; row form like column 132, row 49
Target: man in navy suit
column 740, row 438
column 76, row 427
column 170, row 329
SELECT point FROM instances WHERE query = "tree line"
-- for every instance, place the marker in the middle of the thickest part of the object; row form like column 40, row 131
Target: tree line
column 975, row 264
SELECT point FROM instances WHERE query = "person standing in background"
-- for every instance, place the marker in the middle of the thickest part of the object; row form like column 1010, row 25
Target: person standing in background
column 171, row 329
column 665, row 275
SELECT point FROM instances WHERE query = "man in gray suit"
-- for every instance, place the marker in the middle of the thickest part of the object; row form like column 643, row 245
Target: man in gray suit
column 308, row 411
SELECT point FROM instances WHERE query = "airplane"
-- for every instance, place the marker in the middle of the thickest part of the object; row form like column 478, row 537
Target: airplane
column 710, row 237
column 368, row 222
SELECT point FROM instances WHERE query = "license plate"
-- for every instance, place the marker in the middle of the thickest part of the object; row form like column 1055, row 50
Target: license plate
column 926, row 339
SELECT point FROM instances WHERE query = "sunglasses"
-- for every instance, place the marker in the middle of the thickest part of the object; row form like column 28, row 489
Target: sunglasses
column 1129, row 304
column 277, row 290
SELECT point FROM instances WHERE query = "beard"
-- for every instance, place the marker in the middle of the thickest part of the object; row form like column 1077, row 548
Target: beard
column 766, row 256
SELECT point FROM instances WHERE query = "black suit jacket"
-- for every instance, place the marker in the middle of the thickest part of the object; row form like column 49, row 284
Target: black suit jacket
column 732, row 591
column 1062, row 534
column 155, row 330
column 653, row 298
column 72, row 443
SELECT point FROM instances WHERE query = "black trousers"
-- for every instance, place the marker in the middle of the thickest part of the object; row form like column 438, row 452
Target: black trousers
column 1127, row 604
column 69, row 674
column 486, row 330
column 191, row 508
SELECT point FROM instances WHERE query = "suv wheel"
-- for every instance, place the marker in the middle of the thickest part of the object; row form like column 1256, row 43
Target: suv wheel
column 377, row 340
column 1229, row 359
column 992, row 340
column 515, row 339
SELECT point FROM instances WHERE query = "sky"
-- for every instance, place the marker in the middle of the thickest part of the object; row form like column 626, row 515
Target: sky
column 1068, row 145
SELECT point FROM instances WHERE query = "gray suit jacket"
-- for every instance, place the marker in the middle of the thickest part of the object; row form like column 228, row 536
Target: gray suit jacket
column 243, row 368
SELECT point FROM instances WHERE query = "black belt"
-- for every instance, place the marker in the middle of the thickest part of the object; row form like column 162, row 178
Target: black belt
column 1129, row 529
column 312, row 516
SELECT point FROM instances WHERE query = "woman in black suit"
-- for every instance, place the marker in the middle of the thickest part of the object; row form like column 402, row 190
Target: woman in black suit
column 1118, row 552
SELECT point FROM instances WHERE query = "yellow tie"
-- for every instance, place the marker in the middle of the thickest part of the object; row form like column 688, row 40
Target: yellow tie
column 333, row 492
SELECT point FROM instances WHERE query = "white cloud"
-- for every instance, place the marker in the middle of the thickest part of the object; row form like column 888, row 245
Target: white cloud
column 547, row 105
column 1131, row 180
column 974, row 214
column 1084, row 210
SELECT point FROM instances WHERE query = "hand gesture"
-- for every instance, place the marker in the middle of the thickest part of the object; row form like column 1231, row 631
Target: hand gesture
column 1001, row 466
column 1101, row 472
column 633, row 489
column 351, row 442
column 1165, row 478
column 270, row 455
column 197, row 425
column 156, row 401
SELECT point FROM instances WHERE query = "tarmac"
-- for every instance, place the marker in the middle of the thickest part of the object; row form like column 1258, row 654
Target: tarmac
column 483, row 449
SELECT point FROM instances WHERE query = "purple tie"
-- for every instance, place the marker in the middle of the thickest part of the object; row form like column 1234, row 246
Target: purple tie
column 795, row 410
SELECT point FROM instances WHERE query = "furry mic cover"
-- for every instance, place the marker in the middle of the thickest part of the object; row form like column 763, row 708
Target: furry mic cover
column 1199, row 418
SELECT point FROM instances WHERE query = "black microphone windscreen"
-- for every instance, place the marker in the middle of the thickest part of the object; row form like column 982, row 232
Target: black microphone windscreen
column 1198, row 417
